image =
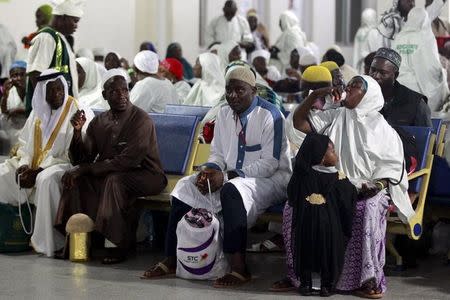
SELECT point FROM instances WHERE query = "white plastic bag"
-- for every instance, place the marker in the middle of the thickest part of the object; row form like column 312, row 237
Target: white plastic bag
column 199, row 251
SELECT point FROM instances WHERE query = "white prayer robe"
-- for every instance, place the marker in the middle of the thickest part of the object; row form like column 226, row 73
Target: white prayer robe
column 183, row 88
column 90, row 94
column 47, row 191
column 356, row 135
column 221, row 30
column 41, row 53
column 10, row 128
column 260, row 155
column 152, row 95
column 421, row 69
column 8, row 51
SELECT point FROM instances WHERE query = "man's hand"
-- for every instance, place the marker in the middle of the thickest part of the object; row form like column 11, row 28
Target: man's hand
column 293, row 73
column 322, row 92
column 78, row 120
column 27, row 177
column 70, row 178
column 215, row 180
column 367, row 192
column 7, row 86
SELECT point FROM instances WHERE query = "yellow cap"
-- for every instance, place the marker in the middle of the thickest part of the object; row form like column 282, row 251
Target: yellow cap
column 316, row 74
column 330, row 65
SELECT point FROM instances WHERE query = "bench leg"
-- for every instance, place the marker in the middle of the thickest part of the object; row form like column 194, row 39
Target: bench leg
column 391, row 248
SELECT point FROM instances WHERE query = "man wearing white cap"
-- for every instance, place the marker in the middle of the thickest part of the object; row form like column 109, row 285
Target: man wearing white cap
column 247, row 171
column 116, row 162
column 42, row 158
column 51, row 49
column 152, row 92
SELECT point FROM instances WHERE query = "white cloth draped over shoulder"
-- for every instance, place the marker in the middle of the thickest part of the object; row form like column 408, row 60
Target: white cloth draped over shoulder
column 153, row 94
column 421, row 69
column 211, row 87
column 362, row 45
column 90, row 94
column 357, row 134
column 292, row 37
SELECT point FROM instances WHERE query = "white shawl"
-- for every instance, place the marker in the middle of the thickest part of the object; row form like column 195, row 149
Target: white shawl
column 367, row 146
column 210, row 88
column 90, row 94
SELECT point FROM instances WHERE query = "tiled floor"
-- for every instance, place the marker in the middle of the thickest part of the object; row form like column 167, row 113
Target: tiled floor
column 28, row 276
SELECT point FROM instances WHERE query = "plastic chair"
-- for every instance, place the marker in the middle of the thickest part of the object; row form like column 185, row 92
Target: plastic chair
column 419, row 181
column 439, row 129
column 187, row 110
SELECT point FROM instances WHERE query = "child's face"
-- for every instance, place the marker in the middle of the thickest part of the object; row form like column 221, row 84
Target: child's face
column 330, row 159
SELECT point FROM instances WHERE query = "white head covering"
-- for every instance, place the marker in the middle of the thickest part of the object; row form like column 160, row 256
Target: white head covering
column 147, row 61
column 292, row 37
column 41, row 108
column 99, row 51
column 112, row 73
column 223, row 50
column 357, row 134
column 210, row 88
column 90, row 94
column 361, row 47
column 85, row 52
column 421, row 69
column 260, row 53
column 308, row 59
column 73, row 8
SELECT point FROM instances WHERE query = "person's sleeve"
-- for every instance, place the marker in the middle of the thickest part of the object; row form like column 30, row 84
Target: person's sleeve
column 423, row 115
column 434, row 9
column 321, row 120
column 216, row 158
column 83, row 149
column 246, row 32
column 41, row 52
column 271, row 149
column 210, row 33
column 24, row 151
column 138, row 145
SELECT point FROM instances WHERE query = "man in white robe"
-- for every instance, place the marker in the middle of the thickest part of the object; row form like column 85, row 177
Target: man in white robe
column 229, row 27
column 51, row 49
column 90, row 84
column 152, row 92
column 42, row 158
column 362, row 44
column 248, row 170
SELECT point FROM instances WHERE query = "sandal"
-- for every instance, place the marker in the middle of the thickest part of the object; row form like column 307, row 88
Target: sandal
column 266, row 246
column 282, row 286
column 232, row 279
column 162, row 271
column 368, row 294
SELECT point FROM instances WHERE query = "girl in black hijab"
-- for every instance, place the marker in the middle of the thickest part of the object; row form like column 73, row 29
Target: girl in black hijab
column 322, row 199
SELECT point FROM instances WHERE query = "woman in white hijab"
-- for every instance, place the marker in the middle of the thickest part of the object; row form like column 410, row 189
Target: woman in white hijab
column 421, row 70
column 291, row 37
column 211, row 86
column 375, row 168
column 228, row 52
column 362, row 44
column 89, row 81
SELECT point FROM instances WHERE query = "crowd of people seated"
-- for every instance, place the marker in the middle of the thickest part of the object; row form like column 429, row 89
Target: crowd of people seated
column 337, row 158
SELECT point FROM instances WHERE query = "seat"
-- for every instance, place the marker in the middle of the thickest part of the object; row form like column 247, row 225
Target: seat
column 439, row 129
column 178, row 145
column 187, row 110
column 419, row 181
